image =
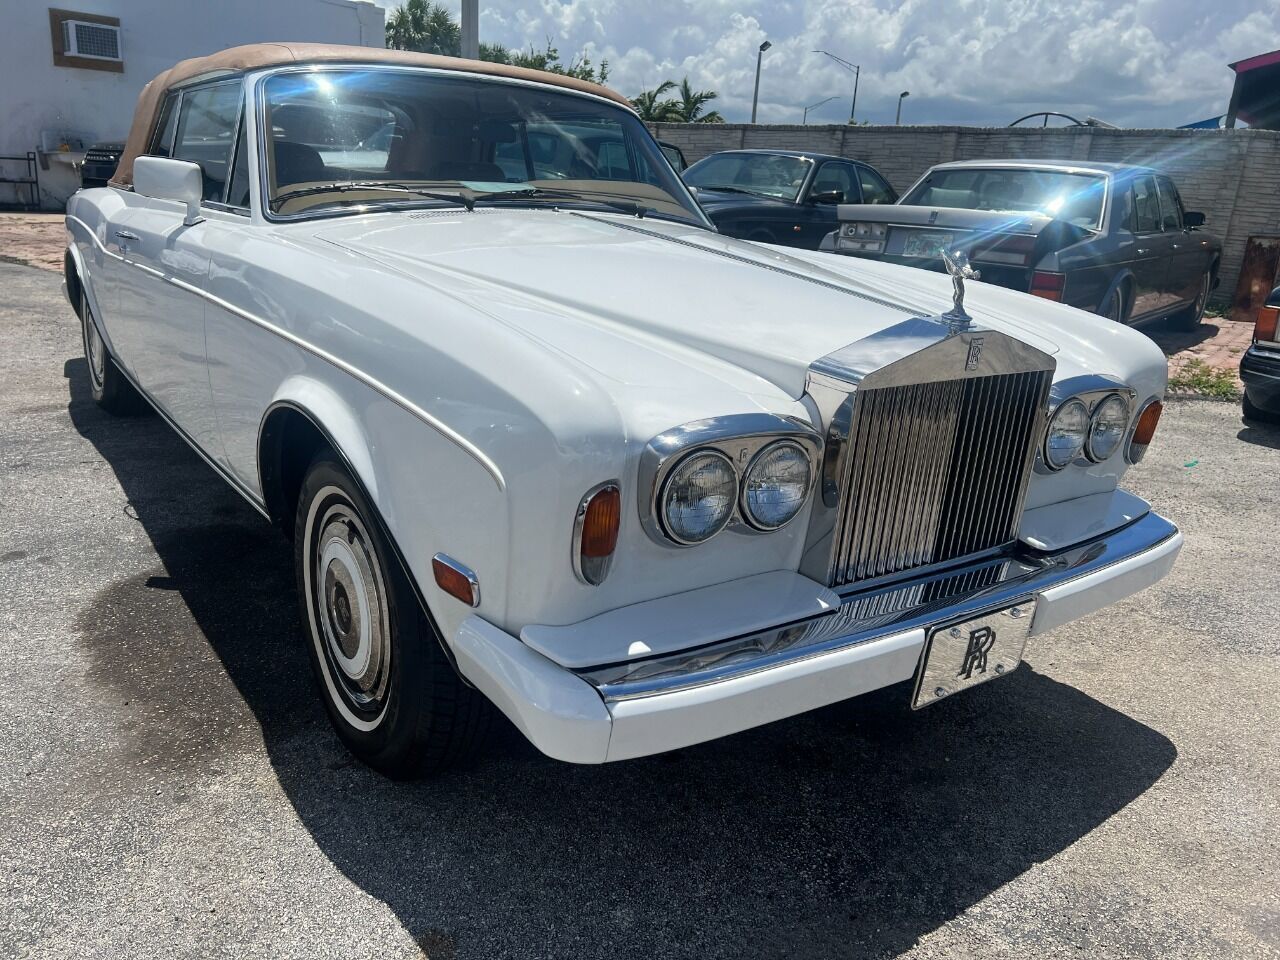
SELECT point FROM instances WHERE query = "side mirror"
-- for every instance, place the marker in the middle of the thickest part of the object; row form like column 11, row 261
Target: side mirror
column 833, row 196
column 1192, row 219
column 162, row 178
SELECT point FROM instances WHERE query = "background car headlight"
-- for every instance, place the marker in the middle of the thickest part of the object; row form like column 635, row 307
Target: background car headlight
column 698, row 497
column 1107, row 427
column 1067, row 432
column 776, row 485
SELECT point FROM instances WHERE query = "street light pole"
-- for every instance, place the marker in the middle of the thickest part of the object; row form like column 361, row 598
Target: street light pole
column 897, row 121
column 814, row 106
column 471, row 29
column 853, row 68
column 755, row 97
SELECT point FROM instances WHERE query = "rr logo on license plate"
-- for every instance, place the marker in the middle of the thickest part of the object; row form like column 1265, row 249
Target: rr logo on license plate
column 975, row 656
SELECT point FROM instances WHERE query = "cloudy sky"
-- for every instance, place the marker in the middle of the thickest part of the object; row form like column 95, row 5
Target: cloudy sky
column 1132, row 62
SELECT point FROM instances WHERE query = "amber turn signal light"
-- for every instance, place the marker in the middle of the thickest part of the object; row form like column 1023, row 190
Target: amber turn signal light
column 455, row 579
column 1264, row 327
column 1144, row 429
column 595, row 532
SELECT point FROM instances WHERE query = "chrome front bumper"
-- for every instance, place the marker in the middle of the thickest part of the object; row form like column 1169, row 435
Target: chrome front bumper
column 873, row 639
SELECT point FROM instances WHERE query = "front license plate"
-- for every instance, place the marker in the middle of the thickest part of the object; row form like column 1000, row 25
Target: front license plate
column 922, row 243
column 963, row 655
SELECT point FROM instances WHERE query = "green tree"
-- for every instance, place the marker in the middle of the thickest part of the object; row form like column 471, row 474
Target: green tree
column 424, row 27
column 689, row 107
column 428, row 27
column 653, row 109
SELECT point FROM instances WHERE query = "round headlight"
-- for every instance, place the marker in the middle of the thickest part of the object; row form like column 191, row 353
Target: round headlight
column 1067, row 432
column 1106, row 429
column 777, row 483
column 697, row 497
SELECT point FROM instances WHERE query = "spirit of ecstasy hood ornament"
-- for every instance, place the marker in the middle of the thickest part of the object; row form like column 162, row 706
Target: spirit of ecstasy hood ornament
column 957, row 262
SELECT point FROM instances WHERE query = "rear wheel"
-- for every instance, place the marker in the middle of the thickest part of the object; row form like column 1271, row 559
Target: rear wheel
column 1116, row 303
column 108, row 386
column 392, row 695
column 1253, row 412
column 1188, row 319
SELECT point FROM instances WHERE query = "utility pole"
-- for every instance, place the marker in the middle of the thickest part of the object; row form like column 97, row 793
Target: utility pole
column 897, row 121
column 471, row 29
column 755, row 97
column 814, row 106
column 853, row 68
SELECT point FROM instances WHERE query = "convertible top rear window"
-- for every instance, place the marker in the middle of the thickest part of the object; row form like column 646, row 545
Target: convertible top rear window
column 333, row 136
column 1074, row 197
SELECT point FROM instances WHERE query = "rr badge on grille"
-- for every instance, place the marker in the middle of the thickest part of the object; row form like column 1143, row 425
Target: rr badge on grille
column 975, row 354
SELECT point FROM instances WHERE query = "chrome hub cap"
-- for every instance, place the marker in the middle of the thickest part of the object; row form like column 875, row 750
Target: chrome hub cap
column 350, row 606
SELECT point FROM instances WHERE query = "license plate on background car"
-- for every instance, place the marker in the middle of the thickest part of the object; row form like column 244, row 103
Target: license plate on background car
column 922, row 243
column 963, row 655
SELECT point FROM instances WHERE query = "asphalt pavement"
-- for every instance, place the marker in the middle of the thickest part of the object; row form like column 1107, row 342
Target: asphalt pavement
column 172, row 788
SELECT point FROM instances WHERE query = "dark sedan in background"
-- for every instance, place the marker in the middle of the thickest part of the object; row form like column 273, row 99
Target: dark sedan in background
column 1260, row 366
column 1109, row 238
column 777, row 196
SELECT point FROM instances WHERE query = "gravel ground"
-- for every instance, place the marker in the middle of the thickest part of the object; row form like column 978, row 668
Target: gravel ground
column 172, row 787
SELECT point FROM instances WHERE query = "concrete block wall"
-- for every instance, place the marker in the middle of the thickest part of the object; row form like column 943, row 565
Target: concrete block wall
column 1233, row 176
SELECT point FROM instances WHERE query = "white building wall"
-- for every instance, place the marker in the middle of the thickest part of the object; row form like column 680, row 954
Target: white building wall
column 41, row 101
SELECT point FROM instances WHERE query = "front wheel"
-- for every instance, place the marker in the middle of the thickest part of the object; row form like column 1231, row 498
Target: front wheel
column 1189, row 319
column 392, row 695
column 107, row 385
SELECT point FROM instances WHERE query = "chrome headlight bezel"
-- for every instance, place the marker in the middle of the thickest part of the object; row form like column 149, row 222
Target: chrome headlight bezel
column 1122, row 433
column 737, row 437
column 697, row 455
column 1091, row 391
column 744, row 487
column 1070, row 405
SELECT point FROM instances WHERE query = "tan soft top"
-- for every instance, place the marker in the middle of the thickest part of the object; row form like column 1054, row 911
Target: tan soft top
column 255, row 56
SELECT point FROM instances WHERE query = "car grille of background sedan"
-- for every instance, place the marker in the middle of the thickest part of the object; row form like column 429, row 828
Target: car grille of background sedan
column 936, row 471
column 101, row 156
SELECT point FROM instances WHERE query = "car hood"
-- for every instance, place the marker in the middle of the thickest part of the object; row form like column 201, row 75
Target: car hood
column 589, row 285
column 717, row 201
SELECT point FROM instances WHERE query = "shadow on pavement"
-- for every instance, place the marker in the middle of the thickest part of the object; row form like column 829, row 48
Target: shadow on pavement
column 1175, row 341
column 1260, row 434
column 852, row 831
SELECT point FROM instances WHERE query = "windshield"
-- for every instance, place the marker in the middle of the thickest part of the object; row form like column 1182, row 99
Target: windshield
column 335, row 136
column 1074, row 197
column 764, row 174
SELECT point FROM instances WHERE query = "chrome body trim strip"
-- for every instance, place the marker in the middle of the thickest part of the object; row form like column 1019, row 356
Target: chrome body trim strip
column 926, row 602
column 739, row 437
column 374, row 384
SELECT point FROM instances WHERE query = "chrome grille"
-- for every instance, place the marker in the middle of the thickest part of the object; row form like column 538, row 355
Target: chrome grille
column 935, row 471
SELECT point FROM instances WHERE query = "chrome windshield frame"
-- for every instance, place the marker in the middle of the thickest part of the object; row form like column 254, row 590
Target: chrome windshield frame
column 257, row 84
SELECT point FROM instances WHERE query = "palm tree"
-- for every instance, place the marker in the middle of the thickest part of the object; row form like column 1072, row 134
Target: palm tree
column 425, row 27
column 689, row 106
column 652, row 109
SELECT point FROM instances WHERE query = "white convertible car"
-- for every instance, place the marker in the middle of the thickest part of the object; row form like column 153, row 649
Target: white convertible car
column 547, row 442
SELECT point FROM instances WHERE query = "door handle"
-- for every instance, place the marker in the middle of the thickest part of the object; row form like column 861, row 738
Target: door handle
column 1177, row 246
column 1141, row 250
column 126, row 235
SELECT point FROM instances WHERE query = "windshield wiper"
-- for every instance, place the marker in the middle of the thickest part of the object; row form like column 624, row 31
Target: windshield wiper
column 466, row 200
column 547, row 193
column 732, row 190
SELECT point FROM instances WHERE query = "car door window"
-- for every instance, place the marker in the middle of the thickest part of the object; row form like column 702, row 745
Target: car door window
column 874, row 189
column 841, row 178
column 206, row 124
column 162, row 139
column 1170, row 204
column 1146, row 206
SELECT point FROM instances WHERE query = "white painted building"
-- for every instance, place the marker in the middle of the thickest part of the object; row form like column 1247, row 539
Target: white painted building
column 70, row 77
